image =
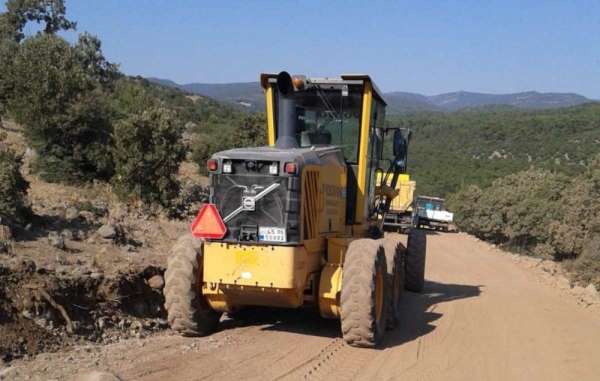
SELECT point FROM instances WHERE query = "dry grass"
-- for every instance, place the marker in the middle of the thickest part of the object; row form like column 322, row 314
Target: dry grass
column 14, row 136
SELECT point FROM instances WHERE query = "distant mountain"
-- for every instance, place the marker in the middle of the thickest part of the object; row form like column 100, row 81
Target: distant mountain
column 249, row 95
column 527, row 100
column 399, row 101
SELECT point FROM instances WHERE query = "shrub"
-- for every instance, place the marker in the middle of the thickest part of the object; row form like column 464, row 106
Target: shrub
column 147, row 154
column 58, row 93
column 541, row 213
column 586, row 267
column 203, row 146
column 580, row 211
column 249, row 132
column 252, row 132
column 13, row 188
column 516, row 210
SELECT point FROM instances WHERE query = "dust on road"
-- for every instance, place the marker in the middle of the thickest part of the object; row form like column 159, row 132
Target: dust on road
column 481, row 317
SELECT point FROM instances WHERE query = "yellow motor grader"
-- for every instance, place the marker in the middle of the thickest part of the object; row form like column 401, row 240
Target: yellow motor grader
column 299, row 221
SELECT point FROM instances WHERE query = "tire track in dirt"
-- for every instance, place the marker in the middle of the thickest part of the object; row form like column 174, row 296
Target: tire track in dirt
column 481, row 317
column 336, row 360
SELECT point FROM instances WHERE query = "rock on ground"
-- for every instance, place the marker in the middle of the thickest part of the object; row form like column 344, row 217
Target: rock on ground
column 71, row 214
column 56, row 240
column 107, row 231
column 156, row 282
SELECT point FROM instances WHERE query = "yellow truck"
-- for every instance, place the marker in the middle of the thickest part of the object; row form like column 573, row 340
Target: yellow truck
column 399, row 217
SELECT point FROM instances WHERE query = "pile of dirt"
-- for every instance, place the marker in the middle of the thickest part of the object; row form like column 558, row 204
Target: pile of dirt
column 85, row 267
column 43, row 310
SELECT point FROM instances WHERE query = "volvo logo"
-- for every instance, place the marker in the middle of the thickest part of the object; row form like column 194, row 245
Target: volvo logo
column 248, row 203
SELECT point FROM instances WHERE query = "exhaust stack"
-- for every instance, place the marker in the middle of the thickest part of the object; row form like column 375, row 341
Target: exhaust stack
column 287, row 115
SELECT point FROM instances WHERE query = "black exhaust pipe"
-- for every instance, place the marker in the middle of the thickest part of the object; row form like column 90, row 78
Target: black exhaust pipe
column 287, row 115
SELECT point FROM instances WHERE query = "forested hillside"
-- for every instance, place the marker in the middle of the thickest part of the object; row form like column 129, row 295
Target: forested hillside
column 86, row 122
column 452, row 150
column 249, row 96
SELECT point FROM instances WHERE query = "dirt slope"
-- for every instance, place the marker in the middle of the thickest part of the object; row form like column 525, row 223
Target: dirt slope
column 482, row 317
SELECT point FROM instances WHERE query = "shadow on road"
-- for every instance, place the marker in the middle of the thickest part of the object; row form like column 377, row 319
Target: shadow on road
column 418, row 314
column 418, row 310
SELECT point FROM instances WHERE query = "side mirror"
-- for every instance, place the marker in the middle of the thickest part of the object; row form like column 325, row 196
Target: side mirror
column 400, row 144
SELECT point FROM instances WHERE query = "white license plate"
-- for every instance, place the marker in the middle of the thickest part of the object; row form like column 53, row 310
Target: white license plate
column 271, row 234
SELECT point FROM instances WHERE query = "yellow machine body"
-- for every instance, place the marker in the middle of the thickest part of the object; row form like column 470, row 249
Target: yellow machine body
column 405, row 190
column 243, row 274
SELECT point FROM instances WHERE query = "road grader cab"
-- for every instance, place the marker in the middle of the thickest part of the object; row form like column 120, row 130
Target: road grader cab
column 299, row 221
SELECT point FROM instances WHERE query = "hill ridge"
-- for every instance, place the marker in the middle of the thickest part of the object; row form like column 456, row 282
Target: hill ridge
column 249, row 95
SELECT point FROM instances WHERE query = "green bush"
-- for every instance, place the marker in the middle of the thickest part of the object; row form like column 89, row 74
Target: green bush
column 250, row 131
column 451, row 150
column 59, row 93
column 147, row 154
column 515, row 210
column 580, row 213
column 13, row 188
column 204, row 145
column 540, row 213
column 586, row 267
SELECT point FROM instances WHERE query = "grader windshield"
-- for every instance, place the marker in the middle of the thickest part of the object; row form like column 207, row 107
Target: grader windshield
column 326, row 111
column 346, row 112
column 329, row 116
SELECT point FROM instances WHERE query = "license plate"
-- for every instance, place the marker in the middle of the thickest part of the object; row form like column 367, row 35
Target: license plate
column 271, row 234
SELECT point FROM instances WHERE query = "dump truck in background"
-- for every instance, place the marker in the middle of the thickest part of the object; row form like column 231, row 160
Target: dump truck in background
column 431, row 213
column 399, row 217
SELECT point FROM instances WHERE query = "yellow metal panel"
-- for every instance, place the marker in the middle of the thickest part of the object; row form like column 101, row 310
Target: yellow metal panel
column 257, row 265
column 336, row 248
column 270, row 116
column 363, row 160
column 405, row 188
column 330, row 286
column 311, row 201
column 405, row 197
column 315, row 246
column 332, row 206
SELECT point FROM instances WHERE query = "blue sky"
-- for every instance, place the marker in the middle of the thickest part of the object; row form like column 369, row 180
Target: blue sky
column 421, row 46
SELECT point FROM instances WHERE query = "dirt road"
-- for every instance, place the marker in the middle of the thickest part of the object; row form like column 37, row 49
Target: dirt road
column 482, row 317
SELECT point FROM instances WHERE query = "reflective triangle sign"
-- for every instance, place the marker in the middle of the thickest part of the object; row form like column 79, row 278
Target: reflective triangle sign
column 208, row 223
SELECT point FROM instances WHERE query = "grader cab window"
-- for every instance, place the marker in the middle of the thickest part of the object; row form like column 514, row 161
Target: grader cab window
column 329, row 115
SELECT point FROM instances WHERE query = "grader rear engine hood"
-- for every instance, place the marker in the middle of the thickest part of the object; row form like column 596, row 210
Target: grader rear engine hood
column 257, row 194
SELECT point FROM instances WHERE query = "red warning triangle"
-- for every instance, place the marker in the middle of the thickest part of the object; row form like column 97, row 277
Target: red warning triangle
column 208, row 223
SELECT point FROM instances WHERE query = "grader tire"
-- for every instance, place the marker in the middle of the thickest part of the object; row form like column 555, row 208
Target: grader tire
column 363, row 296
column 395, row 254
column 415, row 260
column 188, row 313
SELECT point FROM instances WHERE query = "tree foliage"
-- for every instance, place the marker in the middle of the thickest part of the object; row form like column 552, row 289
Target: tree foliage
column 539, row 212
column 59, row 94
column 450, row 151
column 50, row 13
column 249, row 131
column 515, row 210
column 147, row 154
column 13, row 188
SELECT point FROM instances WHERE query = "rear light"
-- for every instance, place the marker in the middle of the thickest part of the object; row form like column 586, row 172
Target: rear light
column 227, row 167
column 208, row 223
column 274, row 168
column 212, row 165
column 290, row 168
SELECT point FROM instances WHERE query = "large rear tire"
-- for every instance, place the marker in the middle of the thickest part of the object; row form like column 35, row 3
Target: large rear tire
column 415, row 260
column 187, row 311
column 363, row 296
column 395, row 253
